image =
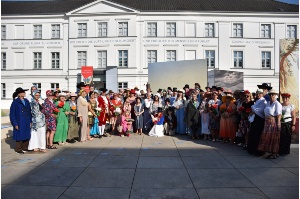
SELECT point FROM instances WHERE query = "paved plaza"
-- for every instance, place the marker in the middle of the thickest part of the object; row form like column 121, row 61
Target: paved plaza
column 147, row 167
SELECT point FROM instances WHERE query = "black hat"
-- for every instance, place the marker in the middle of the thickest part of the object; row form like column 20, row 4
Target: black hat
column 159, row 90
column 167, row 100
column 186, row 86
column 219, row 88
column 159, row 109
column 81, row 84
column 175, row 89
column 214, row 87
column 18, row 91
column 264, row 86
column 207, row 87
column 171, row 108
column 197, row 84
column 103, row 89
column 169, row 88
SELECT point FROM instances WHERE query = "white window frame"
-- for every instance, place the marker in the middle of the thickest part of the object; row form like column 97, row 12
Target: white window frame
column 209, row 31
column 37, row 60
column 289, row 32
column 81, row 58
column 235, row 27
column 38, row 86
column 37, row 31
column 82, row 29
column 102, row 30
column 243, row 61
column 55, row 61
column 151, row 56
column 210, row 58
column 3, row 90
column 264, row 59
column 3, row 31
column 151, row 29
column 102, row 60
column 52, row 85
column 169, row 55
column 122, row 85
column 263, row 31
column 122, row 59
column 55, row 31
column 122, row 29
column 169, row 28
column 3, row 60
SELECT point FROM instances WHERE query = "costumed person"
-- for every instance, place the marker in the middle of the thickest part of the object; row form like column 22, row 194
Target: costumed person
column 92, row 116
column 73, row 119
column 214, row 116
column 146, row 116
column 126, row 123
column 205, row 122
column 50, row 111
column 170, row 121
column 228, row 126
column 103, row 110
column 179, row 105
column 132, row 103
column 166, row 106
column 265, row 87
column 82, row 107
column 30, row 96
column 21, row 120
column 174, row 96
column 62, row 122
column 269, row 140
column 158, row 121
column 37, row 141
column 186, row 89
column 257, row 125
column 115, row 112
column 288, row 124
column 191, row 117
column 138, row 111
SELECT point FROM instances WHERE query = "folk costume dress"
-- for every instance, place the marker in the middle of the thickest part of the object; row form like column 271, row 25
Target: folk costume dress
column 38, row 128
column 116, row 110
column 82, row 106
column 228, row 126
column 103, row 109
column 146, row 114
column 48, row 108
column 191, row 118
column 286, row 129
column 170, row 124
column 214, row 116
column 62, row 124
column 158, row 128
column 73, row 122
column 181, row 126
column 139, row 121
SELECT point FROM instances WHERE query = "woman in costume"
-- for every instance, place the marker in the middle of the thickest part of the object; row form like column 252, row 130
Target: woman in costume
column 82, row 106
column 179, row 106
column 73, row 119
column 92, row 114
column 158, row 121
column 138, row 111
column 214, row 116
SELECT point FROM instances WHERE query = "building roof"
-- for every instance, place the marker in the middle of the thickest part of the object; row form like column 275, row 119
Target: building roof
column 64, row 6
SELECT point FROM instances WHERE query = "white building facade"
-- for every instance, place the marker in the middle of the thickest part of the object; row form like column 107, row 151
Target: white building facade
column 49, row 49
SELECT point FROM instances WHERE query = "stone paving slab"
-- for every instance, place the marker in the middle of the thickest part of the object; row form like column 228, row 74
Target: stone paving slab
column 287, row 161
column 151, row 151
column 160, row 163
column 10, row 173
column 91, row 193
column 206, row 162
column 147, row 193
column 114, row 162
column 250, row 162
column 69, row 160
column 281, row 192
column 229, row 193
column 32, row 192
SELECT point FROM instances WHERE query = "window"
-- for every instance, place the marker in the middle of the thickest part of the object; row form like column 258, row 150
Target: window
column 238, row 59
column 56, row 31
column 3, row 32
column 38, row 86
column 209, row 30
column 102, row 59
column 102, row 29
column 171, row 55
column 123, row 29
column 152, row 56
column 171, row 29
column 3, row 61
column 265, row 31
column 237, row 30
column 81, row 58
column 37, row 31
column 123, row 58
column 291, row 32
column 210, row 57
column 54, row 86
column 37, row 60
column 266, row 59
column 123, row 85
column 152, row 29
column 82, row 29
column 54, row 60
column 3, row 90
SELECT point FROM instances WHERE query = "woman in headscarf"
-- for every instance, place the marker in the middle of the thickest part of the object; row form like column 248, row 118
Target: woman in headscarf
column 37, row 141
column 21, row 120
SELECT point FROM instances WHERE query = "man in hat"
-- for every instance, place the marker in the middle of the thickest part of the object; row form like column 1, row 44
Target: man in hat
column 213, row 88
column 220, row 93
column 265, row 87
column 197, row 85
column 103, row 108
column 174, row 96
column 207, row 88
column 169, row 92
column 21, row 120
column 186, row 89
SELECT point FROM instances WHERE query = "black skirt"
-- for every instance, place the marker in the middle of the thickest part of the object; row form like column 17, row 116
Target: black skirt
column 257, row 126
column 285, row 138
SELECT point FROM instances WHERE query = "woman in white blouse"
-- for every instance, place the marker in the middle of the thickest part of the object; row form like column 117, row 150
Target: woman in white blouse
column 269, row 140
column 147, row 117
column 288, row 123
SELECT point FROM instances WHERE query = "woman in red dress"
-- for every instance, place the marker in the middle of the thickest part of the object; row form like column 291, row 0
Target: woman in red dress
column 115, row 111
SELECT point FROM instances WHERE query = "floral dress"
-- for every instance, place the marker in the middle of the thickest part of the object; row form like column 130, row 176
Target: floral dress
column 48, row 107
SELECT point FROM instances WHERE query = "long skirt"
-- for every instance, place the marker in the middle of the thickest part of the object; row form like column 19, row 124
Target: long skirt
column 157, row 131
column 73, row 127
column 228, row 127
column 181, row 127
column 139, row 122
column 270, row 137
column 257, row 126
column 147, row 119
column 205, row 123
column 38, row 139
column 285, row 138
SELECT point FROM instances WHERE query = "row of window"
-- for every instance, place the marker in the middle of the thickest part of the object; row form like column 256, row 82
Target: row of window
column 237, row 30
column 54, row 86
column 238, row 58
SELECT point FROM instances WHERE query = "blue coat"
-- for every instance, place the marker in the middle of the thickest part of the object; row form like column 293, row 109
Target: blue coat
column 20, row 116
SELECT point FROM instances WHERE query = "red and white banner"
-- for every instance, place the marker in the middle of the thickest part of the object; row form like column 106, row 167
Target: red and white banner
column 87, row 74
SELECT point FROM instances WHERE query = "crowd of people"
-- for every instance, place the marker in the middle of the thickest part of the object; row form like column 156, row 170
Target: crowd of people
column 256, row 121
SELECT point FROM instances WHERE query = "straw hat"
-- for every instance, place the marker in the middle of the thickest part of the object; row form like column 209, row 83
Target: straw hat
column 258, row 91
column 273, row 91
